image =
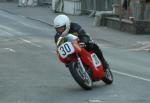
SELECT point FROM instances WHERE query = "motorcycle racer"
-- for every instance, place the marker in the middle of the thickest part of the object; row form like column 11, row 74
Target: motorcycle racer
column 63, row 26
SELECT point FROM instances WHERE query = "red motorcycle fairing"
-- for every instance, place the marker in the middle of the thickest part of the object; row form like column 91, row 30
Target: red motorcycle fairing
column 97, row 72
column 70, row 58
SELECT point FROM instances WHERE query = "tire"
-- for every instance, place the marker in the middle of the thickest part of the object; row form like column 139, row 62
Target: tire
column 108, row 79
column 78, row 76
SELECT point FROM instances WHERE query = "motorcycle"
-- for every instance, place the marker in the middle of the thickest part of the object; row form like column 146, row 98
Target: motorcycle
column 84, row 66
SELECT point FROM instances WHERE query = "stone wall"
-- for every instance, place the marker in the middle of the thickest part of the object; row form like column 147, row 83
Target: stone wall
column 136, row 27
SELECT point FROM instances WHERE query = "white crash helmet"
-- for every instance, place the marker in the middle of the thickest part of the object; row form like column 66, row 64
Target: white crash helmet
column 62, row 20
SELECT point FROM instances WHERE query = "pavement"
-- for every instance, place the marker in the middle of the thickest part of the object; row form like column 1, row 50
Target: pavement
column 103, row 35
column 41, row 13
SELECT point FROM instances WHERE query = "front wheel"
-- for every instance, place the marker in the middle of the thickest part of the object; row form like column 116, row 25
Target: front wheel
column 108, row 79
column 82, row 78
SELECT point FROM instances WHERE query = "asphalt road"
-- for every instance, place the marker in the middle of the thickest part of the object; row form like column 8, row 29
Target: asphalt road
column 31, row 73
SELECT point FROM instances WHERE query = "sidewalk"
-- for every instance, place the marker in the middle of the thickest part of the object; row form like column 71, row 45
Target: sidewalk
column 42, row 13
column 103, row 35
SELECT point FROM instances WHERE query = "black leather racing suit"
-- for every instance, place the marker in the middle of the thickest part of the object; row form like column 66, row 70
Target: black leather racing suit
column 76, row 30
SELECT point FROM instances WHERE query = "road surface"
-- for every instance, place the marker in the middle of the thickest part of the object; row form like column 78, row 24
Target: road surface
column 31, row 73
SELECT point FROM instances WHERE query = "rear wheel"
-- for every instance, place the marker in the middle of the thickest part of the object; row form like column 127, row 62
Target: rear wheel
column 108, row 79
column 82, row 78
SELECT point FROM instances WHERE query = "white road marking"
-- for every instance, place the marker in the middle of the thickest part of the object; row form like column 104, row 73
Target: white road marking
column 5, row 33
column 140, row 46
column 11, row 50
column 10, row 31
column 146, row 48
column 130, row 75
column 4, row 30
column 20, row 20
column 29, row 42
column 95, row 101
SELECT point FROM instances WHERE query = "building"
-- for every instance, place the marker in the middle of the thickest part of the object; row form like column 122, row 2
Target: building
column 139, row 9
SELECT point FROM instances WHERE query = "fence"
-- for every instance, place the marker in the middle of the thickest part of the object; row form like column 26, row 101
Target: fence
column 97, row 5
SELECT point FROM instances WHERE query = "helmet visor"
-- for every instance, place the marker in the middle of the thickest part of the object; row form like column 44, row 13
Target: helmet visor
column 60, row 29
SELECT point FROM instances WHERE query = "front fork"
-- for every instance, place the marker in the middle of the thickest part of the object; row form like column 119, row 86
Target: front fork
column 81, row 64
column 82, row 68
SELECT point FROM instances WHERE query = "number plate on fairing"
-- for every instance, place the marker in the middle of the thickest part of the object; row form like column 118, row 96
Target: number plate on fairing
column 95, row 60
column 66, row 49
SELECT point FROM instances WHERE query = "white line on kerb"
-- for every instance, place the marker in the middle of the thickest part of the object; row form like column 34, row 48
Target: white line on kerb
column 130, row 75
column 27, row 41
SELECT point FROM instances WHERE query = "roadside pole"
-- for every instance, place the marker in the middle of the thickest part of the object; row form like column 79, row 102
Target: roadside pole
column 120, row 13
column 142, row 9
column 94, row 9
